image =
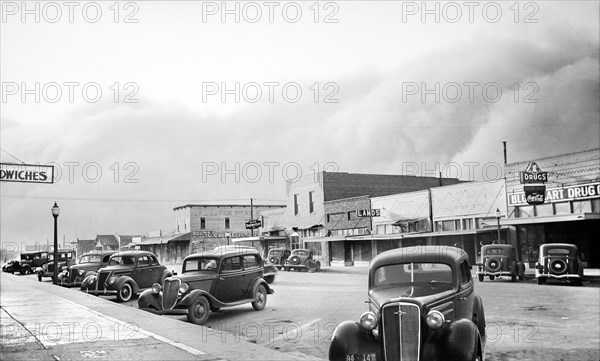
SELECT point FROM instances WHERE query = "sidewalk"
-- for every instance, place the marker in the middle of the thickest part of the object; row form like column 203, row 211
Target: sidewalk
column 40, row 321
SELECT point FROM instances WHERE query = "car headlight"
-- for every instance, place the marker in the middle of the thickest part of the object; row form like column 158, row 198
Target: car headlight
column 368, row 321
column 435, row 319
column 184, row 288
column 156, row 287
column 91, row 279
column 112, row 280
column 81, row 272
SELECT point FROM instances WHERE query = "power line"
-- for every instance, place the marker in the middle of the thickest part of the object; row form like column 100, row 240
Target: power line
column 20, row 161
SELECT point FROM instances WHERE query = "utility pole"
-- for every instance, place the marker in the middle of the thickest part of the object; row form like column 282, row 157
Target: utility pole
column 251, row 217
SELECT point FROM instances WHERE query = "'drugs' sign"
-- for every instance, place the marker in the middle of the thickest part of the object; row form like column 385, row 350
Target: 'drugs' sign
column 26, row 173
column 533, row 179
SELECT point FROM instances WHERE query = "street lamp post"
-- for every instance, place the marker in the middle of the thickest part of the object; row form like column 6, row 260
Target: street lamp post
column 227, row 235
column 55, row 212
column 498, row 214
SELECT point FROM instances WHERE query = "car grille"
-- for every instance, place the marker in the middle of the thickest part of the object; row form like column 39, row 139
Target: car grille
column 401, row 331
column 73, row 274
column 170, row 292
column 102, row 276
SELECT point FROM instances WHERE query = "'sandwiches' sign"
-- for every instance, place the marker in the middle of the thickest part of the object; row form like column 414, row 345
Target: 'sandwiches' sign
column 582, row 191
column 26, row 173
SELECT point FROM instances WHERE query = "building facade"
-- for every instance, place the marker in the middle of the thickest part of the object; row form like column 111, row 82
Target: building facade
column 571, row 209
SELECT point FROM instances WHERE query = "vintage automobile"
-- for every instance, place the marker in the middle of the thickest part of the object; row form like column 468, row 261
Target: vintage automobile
column 559, row 261
column 500, row 260
column 127, row 274
column 302, row 260
column 277, row 256
column 12, row 266
column 209, row 281
column 269, row 270
column 422, row 305
column 66, row 258
column 32, row 260
column 88, row 264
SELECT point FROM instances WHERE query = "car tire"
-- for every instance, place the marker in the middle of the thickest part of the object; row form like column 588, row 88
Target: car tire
column 286, row 268
column 481, row 277
column 260, row 298
column 39, row 277
column 513, row 278
column 492, row 278
column 541, row 281
column 199, row 311
column 270, row 279
column 22, row 271
column 521, row 278
column 317, row 266
column 125, row 293
column 493, row 264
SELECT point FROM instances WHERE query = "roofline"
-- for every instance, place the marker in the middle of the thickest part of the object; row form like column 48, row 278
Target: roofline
column 555, row 156
column 230, row 205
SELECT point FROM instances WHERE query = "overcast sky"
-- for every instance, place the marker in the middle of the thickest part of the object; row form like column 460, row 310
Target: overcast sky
column 146, row 106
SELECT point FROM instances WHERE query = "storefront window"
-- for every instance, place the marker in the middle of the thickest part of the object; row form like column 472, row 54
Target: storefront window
column 543, row 210
column 562, row 208
column 467, row 223
column 596, row 205
column 361, row 250
column 526, row 211
column 582, row 206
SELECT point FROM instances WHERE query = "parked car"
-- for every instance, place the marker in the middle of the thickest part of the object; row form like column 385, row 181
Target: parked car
column 32, row 260
column 277, row 256
column 88, row 264
column 208, row 282
column 422, row 306
column 12, row 266
column 269, row 270
column 559, row 261
column 127, row 274
column 66, row 258
column 500, row 260
column 301, row 260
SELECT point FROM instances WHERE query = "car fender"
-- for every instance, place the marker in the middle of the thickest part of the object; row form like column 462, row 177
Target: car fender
column 350, row 338
column 122, row 280
column 86, row 284
column 165, row 273
column 151, row 300
column 459, row 340
column 39, row 270
column 257, row 282
column 193, row 296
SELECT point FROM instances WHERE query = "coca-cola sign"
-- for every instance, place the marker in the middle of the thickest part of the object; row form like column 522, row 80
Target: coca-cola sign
column 535, row 194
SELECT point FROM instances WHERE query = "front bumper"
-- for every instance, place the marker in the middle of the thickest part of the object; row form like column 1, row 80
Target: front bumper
column 101, row 292
column 495, row 274
column 550, row 275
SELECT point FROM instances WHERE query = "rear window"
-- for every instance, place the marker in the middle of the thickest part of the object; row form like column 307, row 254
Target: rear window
column 200, row 264
column 494, row 251
column 558, row 251
column 412, row 273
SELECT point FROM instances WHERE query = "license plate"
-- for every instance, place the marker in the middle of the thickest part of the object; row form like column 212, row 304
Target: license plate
column 361, row 357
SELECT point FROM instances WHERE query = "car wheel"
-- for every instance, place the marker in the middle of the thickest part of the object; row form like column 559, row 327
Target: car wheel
column 287, row 269
column 39, row 277
column 480, row 277
column 260, row 298
column 513, row 278
column 22, row 271
column 295, row 260
column 199, row 311
column 541, row 281
column 492, row 278
column 317, row 266
column 521, row 278
column 270, row 279
column 125, row 293
column 579, row 282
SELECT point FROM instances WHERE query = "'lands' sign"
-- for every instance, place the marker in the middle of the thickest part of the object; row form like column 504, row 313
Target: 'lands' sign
column 26, row 173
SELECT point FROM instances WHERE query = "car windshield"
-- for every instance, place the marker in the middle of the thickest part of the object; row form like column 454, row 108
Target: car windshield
column 121, row 261
column 26, row 257
column 301, row 253
column 433, row 274
column 494, row 251
column 200, row 265
column 92, row 258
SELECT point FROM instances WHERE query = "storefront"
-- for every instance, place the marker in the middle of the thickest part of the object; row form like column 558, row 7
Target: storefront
column 568, row 210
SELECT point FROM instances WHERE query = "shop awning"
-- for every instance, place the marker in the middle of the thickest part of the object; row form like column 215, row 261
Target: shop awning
column 259, row 239
column 324, row 239
column 550, row 219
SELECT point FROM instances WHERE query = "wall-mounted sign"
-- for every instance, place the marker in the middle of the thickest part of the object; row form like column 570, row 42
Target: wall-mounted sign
column 368, row 213
column 26, row 173
column 535, row 194
column 219, row 234
column 253, row 223
column 582, row 191
column 533, row 174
